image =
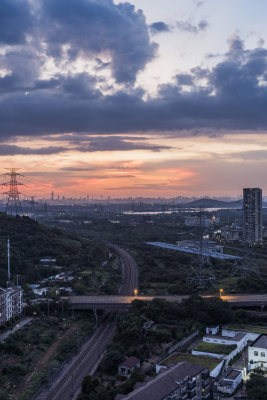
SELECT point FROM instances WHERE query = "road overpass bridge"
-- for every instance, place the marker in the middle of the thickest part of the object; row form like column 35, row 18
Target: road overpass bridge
column 118, row 302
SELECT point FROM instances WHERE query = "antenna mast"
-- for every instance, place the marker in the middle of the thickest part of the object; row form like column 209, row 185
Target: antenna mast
column 8, row 259
column 13, row 205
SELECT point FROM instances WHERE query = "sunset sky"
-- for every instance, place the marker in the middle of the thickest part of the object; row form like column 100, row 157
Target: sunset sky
column 141, row 98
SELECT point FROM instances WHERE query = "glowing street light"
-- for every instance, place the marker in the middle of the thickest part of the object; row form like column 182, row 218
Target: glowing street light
column 221, row 292
column 135, row 292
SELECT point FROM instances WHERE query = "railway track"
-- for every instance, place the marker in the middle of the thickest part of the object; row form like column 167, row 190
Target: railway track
column 70, row 380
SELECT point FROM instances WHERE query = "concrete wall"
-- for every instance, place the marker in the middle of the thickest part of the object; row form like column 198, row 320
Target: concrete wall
column 183, row 342
column 203, row 353
column 234, row 384
column 217, row 370
column 249, row 335
column 227, row 357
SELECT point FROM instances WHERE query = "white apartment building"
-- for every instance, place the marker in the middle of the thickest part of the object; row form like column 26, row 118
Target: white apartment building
column 10, row 303
column 257, row 353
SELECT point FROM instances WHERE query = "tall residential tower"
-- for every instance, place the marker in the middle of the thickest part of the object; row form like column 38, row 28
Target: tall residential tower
column 252, row 215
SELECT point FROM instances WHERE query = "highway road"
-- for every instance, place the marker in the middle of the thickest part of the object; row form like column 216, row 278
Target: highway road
column 123, row 302
column 19, row 325
column 69, row 382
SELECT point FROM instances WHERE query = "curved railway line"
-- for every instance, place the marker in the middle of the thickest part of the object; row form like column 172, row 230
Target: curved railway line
column 70, row 380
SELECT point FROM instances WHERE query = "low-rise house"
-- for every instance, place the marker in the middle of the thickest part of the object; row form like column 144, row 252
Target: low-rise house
column 212, row 330
column 184, row 381
column 224, row 346
column 257, row 353
column 128, row 366
column 40, row 291
column 230, row 382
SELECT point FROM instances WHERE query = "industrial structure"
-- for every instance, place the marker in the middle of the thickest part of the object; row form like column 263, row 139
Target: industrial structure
column 210, row 249
column 13, row 205
column 252, row 215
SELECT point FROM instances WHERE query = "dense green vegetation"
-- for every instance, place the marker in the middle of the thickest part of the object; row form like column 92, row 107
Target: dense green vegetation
column 256, row 386
column 172, row 322
column 93, row 266
column 163, row 271
column 27, row 354
column 206, row 361
column 215, row 348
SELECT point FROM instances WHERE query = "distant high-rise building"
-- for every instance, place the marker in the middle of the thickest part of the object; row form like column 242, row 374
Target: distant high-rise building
column 252, row 215
column 52, row 195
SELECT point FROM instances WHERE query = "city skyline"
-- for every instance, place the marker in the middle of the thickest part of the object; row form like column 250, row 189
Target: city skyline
column 139, row 98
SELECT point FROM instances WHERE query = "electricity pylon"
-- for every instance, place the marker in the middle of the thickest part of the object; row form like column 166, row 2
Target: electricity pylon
column 247, row 265
column 200, row 273
column 13, row 205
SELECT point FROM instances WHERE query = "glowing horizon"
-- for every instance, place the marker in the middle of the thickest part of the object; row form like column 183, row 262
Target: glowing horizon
column 141, row 100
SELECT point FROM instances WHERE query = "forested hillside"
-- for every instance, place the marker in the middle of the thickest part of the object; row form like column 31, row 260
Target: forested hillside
column 30, row 242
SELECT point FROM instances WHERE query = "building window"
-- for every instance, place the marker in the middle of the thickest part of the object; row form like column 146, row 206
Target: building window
column 262, row 354
column 256, row 353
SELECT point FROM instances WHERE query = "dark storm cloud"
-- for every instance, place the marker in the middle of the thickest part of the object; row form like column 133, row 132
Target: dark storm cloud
column 85, row 138
column 117, row 144
column 15, row 21
column 232, row 99
column 188, row 27
column 234, row 96
column 91, row 27
column 185, row 79
column 11, row 150
column 158, row 27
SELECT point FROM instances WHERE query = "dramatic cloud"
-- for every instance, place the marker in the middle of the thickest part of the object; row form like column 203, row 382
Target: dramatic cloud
column 185, row 79
column 158, row 27
column 15, row 21
column 90, row 27
column 231, row 95
column 11, row 150
column 188, row 27
column 117, row 144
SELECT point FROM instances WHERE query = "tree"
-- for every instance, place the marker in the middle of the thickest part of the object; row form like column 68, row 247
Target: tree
column 162, row 336
column 257, row 385
column 89, row 384
column 110, row 362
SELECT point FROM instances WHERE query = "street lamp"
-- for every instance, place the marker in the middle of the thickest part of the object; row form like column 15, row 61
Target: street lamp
column 135, row 292
column 221, row 292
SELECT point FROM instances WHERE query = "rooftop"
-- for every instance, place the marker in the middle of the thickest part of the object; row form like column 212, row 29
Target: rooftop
column 165, row 383
column 233, row 374
column 246, row 328
column 215, row 348
column 205, row 361
column 130, row 362
column 261, row 342
column 235, row 338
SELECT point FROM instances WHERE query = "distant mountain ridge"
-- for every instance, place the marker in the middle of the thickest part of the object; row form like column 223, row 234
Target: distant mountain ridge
column 212, row 203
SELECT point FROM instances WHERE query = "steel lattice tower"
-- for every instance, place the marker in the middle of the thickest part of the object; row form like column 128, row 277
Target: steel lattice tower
column 247, row 265
column 13, row 205
column 201, row 274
